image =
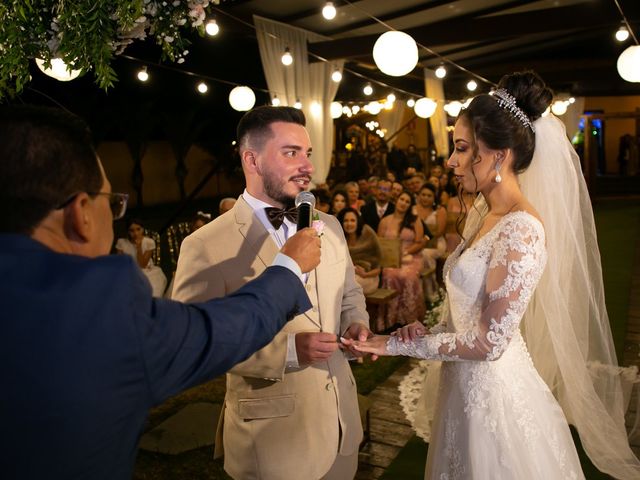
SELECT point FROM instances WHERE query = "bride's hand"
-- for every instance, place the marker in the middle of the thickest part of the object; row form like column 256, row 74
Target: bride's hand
column 410, row 332
column 376, row 345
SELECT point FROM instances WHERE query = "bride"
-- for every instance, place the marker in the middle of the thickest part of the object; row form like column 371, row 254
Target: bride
column 496, row 415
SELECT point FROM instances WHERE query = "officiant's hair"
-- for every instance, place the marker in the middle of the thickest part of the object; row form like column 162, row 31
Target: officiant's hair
column 254, row 128
column 46, row 158
column 499, row 128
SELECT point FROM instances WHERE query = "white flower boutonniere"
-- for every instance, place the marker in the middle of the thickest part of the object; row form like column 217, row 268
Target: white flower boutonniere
column 317, row 224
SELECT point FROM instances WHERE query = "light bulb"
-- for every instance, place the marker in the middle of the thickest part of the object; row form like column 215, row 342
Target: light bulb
column 143, row 75
column 441, row 72
column 212, row 28
column 368, row 89
column 287, row 59
column 298, row 105
column 472, row 85
column 202, row 87
column 391, row 98
column 355, row 109
column 329, row 11
column 336, row 76
column 411, row 102
column 622, row 34
column 275, row 101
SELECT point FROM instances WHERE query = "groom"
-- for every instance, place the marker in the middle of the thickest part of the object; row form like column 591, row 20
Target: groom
column 291, row 409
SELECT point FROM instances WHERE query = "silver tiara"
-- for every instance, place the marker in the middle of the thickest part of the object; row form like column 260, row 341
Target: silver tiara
column 508, row 102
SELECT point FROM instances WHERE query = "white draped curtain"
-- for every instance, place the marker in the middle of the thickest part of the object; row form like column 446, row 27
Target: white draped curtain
column 308, row 82
column 433, row 89
column 392, row 121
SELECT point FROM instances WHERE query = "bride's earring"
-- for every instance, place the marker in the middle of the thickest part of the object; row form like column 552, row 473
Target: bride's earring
column 498, row 178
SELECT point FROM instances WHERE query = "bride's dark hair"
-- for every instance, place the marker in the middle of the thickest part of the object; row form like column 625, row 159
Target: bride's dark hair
column 498, row 128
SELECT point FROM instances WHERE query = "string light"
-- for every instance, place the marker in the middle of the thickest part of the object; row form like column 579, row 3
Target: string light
column 336, row 76
column 143, row 75
column 411, row 103
column 391, row 98
column 472, row 85
column 202, row 87
column 212, row 28
column 368, row 89
column 275, row 101
column 298, row 104
column 441, row 72
column 329, row 11
column 287, row 58
column 622, row 34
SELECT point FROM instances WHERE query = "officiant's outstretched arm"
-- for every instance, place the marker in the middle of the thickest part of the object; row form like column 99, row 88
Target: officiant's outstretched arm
column 291, row 409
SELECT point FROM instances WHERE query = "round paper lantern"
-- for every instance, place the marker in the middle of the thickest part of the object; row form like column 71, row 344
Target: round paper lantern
column 559, row 107
column 242, row 99
column 335, row 109
column 58, row 70
column 425, row 107
column 453, row 108
column 395, row 53
column 374, row 108
column 629, row 64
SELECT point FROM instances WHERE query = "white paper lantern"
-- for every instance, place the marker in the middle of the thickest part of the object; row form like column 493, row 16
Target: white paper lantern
column 242, row 99
column 559, row 107
column 395, row 53
column 59, row 70
column 425, row 107
column 453, row 108
column 629, row 64
column 336, row 109
column 374, row 108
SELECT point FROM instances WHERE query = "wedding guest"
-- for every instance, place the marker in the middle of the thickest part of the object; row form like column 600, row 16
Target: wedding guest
column 413, row 158
column 199, row 220
column 86, row 350
column 339, row 200
column 364, row 249
column 291, row 410
column 409, row 305
column 396, row 190
column 496, row 388
column 353, row 196
column 434, row 217
column 225, row 205
column 141, row 248
column 373, row 211
column 323, row 202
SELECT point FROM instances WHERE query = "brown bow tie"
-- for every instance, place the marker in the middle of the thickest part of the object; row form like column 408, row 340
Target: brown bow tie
column 276, row 215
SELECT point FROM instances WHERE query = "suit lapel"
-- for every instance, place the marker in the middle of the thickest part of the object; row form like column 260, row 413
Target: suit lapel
column 254, row 233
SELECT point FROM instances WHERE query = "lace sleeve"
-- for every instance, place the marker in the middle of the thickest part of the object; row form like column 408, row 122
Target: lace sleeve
column 516, row 263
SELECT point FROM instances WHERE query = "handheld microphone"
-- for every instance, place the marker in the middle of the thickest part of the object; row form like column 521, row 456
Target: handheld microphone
column 305, row 202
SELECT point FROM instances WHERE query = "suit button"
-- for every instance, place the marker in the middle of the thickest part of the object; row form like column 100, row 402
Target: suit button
column 329, row 386
column 308, row 288
column 315, row 309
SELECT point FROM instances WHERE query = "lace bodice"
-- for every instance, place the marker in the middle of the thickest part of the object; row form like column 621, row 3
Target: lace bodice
column 489, row 285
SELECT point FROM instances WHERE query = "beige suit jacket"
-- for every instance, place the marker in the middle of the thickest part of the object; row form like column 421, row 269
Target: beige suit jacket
column 279, row 423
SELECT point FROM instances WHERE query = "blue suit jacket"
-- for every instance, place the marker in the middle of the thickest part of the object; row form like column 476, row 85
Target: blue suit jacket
column 85, row 351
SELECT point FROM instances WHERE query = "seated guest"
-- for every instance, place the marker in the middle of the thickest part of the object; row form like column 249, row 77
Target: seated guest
column 363, row 186
column 323, row 202
column 338, row 201
column 226, row 204
column 199, row 220
column 373, row 211
column 141, row 248
column 414, row 183
column 409, row 305
column 396, row 190
column 434, row 217
column 364, row 249
column 86, row 350
column 353, row 196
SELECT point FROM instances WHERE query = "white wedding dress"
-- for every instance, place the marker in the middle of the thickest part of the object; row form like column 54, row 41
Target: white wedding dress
column 495, row 418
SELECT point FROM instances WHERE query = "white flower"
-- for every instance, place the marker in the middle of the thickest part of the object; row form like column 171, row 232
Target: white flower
column 318, row 225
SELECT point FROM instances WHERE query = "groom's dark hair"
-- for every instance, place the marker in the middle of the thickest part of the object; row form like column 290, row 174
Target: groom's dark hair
column 254, row 128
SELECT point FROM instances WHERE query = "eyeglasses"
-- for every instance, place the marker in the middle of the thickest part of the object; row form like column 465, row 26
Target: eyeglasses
column 117, row 202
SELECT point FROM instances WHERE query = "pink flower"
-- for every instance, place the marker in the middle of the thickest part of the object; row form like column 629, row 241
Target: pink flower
column 318, row 225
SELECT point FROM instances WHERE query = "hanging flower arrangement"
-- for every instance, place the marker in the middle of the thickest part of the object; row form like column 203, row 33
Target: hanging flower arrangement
column 87, row 34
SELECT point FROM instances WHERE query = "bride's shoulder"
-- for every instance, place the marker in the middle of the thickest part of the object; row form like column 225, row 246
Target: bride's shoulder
column 525, row 215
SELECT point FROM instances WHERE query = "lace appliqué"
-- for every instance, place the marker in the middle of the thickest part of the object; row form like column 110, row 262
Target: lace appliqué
column 516, row 262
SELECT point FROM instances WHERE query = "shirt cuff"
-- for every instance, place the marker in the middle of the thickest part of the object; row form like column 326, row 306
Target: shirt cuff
column 292, row 354
column 282, row 260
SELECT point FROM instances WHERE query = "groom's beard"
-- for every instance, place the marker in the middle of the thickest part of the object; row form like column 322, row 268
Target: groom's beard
column 274, row 188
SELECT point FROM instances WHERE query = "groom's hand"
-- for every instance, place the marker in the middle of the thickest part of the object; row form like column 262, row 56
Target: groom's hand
column 304, row 248
column 360, row 332
column 313, row 347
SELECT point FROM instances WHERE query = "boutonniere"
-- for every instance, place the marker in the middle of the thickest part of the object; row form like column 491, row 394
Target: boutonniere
column 317, row 224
